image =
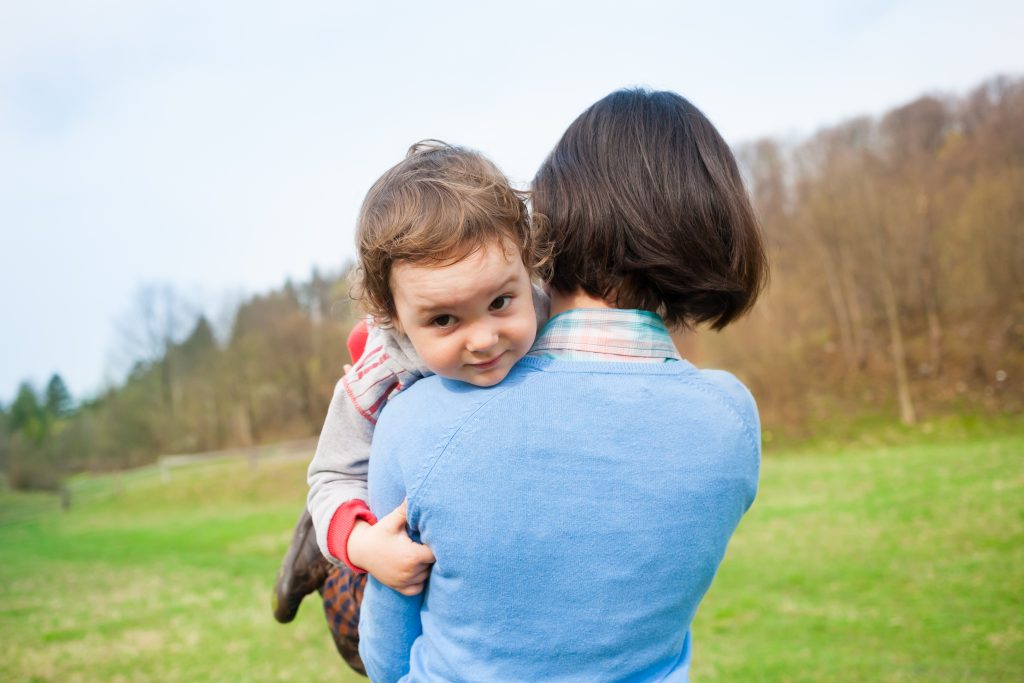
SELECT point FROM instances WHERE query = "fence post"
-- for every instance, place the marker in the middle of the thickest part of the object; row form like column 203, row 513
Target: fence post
column 65, row 497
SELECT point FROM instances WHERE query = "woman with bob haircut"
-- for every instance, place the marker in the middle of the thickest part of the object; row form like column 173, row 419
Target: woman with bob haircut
column 578, row 510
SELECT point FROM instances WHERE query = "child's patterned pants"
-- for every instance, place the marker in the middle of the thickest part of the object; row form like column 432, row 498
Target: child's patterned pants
column 343, row 594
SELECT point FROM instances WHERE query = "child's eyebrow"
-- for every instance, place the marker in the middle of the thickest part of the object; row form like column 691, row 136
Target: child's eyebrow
column 443, row 306
column 431, row 309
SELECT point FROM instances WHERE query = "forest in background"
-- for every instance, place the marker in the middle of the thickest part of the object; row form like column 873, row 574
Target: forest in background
column 897, row 252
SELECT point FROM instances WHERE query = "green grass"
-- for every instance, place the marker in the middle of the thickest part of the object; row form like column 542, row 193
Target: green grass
column 880, row 563
column 159, row 582
column 886, row 564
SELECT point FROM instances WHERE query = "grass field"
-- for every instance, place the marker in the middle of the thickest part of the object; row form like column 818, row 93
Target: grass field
column 877, row 564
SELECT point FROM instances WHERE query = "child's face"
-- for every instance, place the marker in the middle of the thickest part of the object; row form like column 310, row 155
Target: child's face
column 471, row 320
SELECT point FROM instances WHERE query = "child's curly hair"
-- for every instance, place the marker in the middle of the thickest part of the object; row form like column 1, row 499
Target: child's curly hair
column 437, row 206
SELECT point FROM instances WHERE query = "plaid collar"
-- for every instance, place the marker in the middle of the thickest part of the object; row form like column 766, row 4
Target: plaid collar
column 613, row 334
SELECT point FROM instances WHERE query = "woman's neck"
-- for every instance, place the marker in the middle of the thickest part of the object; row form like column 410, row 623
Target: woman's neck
column 561, row 302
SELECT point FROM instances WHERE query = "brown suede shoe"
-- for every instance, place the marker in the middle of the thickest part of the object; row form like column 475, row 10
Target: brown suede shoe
column 303, row 570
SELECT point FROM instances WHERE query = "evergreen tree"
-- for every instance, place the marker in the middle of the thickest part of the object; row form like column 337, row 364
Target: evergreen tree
column 27, row 415
column 5, row 439
column 58, row 398
column 199, row 343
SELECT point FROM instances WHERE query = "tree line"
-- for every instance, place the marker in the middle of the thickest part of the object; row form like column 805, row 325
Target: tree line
column 897, row 250
column 269, row 377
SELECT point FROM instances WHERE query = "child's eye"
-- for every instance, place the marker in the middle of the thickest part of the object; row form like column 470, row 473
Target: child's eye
column 443, row 321
column 501, row 303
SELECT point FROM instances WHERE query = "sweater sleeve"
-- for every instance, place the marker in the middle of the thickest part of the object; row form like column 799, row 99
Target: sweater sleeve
column 339, row 468
column 338, row 471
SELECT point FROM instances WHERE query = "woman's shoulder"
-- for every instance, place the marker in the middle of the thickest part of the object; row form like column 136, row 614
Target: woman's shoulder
column 417, row 427
column 734, row 396
column 730, row 387
column 436, row 405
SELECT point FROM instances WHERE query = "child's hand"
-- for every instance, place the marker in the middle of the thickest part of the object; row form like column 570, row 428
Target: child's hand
column 385, row 550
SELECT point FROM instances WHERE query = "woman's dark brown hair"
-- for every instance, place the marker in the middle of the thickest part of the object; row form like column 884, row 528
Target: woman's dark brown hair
column 643, row 205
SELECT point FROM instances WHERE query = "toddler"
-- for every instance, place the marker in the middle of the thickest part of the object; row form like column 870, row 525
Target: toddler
column 446, row 263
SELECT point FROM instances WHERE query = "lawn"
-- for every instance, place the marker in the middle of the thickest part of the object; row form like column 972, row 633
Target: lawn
column 876, row 564
column 160, row 582
column 884, row 564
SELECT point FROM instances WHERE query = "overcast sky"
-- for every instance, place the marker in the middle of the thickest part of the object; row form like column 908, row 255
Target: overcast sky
column 222, row 147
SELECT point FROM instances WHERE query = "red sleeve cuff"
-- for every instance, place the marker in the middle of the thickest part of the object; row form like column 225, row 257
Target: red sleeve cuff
column 340, row 529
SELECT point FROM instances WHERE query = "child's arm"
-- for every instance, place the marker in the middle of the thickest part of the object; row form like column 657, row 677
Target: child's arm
column 337, row 474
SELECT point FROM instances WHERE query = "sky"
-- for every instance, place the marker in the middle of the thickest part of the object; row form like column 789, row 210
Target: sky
column 219, row 148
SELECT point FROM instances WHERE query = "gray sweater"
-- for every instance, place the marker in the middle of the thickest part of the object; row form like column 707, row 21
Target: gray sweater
column 337, row 473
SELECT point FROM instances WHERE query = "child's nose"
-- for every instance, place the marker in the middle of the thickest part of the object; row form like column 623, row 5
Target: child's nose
column 481, row 338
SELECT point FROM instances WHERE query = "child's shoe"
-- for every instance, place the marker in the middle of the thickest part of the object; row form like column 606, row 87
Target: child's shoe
column 303, row 570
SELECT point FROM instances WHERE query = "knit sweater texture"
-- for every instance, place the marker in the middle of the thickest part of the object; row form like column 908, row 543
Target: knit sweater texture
column 337, row 473
column 578, row 512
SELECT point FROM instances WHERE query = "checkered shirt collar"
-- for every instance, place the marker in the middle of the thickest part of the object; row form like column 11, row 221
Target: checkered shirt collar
column 605, row 334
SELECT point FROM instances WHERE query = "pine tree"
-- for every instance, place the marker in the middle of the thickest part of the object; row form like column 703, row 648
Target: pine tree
column 58, row 398
column 27, row 415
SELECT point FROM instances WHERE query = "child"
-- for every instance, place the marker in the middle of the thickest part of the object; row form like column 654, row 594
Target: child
column 446, row 259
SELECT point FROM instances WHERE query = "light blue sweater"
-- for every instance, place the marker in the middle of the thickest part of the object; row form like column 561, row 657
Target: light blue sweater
column 578, row 512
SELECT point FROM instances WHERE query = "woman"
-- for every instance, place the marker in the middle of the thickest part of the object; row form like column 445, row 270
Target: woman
column 580, row 511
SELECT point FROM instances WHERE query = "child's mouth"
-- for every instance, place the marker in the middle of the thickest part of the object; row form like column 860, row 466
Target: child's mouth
column 487, row 365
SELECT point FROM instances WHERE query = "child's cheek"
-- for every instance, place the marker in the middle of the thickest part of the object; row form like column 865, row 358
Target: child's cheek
column 526, row 333
column 433, row 355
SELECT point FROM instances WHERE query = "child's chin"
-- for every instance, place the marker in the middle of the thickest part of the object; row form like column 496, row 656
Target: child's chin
column 487, row 380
